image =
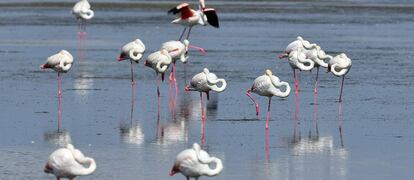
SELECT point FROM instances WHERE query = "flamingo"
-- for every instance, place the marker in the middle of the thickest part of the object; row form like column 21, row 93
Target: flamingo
column 268, row 85
column 340, row 66
column 61, row 63
column 296, row 53
column 82, row 11
column 189, row 17
column 195, row 162
column 159, row 61
column 69, row 162
column 132, row 51
column 206, row 82
column 178, row 51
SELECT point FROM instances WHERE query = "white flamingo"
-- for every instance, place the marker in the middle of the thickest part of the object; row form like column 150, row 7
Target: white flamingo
column 82, row 11
column 195, row 162
column 159, row 61
column 69, row 162
column 295, row 52
column 206, row 82
column 132, row 51
column 340, row 66
column 268, row 85
column 189, row 17
column 61, row 63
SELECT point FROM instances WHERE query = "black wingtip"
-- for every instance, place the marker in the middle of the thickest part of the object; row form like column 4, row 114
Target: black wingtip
column 173, row 11
column 212, row 18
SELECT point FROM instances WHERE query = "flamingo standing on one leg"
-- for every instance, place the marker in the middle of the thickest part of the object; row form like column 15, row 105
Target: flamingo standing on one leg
column 159, row 61
column 82, row 11
column 195, row 162
column 340, row 66
column 205, row 82
column 61, row 63
column 189, row 17
column 132, row 51
column 69, row 162
column 320, row 58
column 268, row 85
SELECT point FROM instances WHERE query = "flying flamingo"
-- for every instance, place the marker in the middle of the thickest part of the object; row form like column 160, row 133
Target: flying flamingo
column 195, row 162
column 61, row 63
column 189, row 17
column 268, row 85
column 178, row 51
column 159, row 61
column 132, row 51
column 69, row 162
column 82, row 11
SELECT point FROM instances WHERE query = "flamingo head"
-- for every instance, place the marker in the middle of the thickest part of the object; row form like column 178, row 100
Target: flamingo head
column 174, row 170
column 122, row 57
column 284, row 54
column 47, row 168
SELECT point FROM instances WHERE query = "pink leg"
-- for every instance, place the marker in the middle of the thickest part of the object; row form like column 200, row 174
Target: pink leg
column 182, row 34
column 255, row 103
column 267, row 145
column 59, row 101
column 296, row 104
column 202, row 109
column 202, row 119
column 342, row 86
column 170, row 83
column 268, row 113
column 200, row 49
column 295, row 81
column 176, row 92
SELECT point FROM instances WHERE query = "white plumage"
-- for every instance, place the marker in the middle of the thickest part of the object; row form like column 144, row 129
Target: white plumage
column 195, row 162
column 177, row 50
column 60, row 62
column 69, row 162
column 82, row 10
column 206, row 81
column 340, row 65
column 133, row 50
column 159, row 61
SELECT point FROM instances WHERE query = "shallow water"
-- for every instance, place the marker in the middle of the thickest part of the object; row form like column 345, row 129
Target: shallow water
column 377, row 139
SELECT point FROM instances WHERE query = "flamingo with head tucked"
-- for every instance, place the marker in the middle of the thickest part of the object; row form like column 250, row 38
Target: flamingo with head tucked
column 195, row 162
column 206, row 82
column 159, row 61
column 61, row 63
column 132, row 51
column 295, row 52
column 268, row 85
column 189, row 17
column 69, row 162
column 82, row 11
column 340, row 66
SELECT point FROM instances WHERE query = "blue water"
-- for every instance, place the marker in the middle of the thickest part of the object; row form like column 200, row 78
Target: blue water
column 377, row 139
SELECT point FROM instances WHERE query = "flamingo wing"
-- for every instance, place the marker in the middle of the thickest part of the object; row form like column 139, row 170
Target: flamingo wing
column 212, row 17
column 184, row 10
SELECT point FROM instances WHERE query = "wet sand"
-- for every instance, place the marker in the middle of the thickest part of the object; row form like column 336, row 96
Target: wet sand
column 377, row 139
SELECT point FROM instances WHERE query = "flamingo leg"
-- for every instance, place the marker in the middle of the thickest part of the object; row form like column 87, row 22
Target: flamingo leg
column 132, row 81
column 59, row 101
column 176, row 91
column 170, row 84
column 267, row 145
column 296, row 119
column 202, row 109
column 268, row 113
column 295, row 81
column 158, row 95
column 188, row 34
column 182, row 34
column 254, row 102
column 342, row 86
column 340, row 122
column 315, row 94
